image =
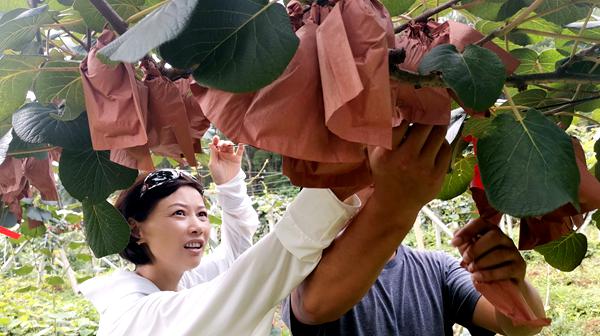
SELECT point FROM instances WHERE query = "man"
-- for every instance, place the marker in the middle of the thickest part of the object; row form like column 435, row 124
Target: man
column 366, row 285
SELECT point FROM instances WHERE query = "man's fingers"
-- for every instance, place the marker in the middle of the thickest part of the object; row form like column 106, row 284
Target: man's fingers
column 398, row 133
column 507, row 272
column 434, row 143
column 485, row 244
column 444, row 155
column 416, row 137
column 470, row 231
column 494, row 259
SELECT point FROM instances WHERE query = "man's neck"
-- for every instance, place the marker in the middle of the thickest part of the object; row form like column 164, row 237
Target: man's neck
column 164, row 279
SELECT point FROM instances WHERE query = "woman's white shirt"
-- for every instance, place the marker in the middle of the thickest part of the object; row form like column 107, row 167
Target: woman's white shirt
column 223, row 298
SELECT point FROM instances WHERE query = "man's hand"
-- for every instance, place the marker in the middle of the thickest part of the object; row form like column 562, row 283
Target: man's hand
column 225, row 162
column 411, row 174
column 488, row 253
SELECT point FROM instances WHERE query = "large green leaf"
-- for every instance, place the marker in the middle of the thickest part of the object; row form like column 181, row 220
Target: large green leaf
column 567, row 13
column 35, row 123
column 11, row 15
column 61, row 87
column 495, row 10
column 528, row 166
column 90, row 176
column 22, row 29
column 21, row 149
column 4, row 144
column 106, row 230
column 458, row 180
column 565, row 253
column 16, row 77
column 155, row 29
column 235, row 45
column 477, row 75
column 528, row 60
column 7, row 218
column 477, row 127
column 8, row 5
column 529, row 98
column 93, row 18
column 397, row 7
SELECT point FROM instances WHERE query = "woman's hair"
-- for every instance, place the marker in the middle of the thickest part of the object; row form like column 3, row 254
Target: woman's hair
column 133, row 206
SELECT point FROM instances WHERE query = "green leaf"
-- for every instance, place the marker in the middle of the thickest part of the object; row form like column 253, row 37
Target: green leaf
column 4, row 144
column 8, row 5
column 237, row 39
column 23, row 270
column 596, row 218
column 35, row 123
column 33, row 232
column 477, row 75
column 7, row 218
column 93, row 18
column 477, row 127
column 62, row 86
column 16, row 76
column 83, row 257
column 106, row 230
column 25, row 289
column 565, row 253
column 597, row 150
column 397, row 7
column 548, row 59
column 227, row 42
column 91, row 176
column 22, row 29
column 11, row 15
column 76, row 245
column 528, row 60
column 55, row 280
column 567, row 11
column 529, row 98
column 495, row 10
column 458, row 180
column 528, row 166
column 20, row 149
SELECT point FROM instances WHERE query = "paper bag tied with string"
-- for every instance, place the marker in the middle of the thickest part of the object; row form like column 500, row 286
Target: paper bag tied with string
column 113, row 101
column 168, row 124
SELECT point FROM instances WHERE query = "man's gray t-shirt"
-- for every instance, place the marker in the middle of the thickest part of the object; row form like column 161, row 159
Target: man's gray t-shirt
column 417, row 293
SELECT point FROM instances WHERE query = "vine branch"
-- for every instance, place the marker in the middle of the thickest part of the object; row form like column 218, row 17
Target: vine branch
column 427, row 14
column 111, row 16
column 510, row 26
column 75, row 38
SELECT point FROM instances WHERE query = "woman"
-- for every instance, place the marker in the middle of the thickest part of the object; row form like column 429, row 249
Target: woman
column 172, row 293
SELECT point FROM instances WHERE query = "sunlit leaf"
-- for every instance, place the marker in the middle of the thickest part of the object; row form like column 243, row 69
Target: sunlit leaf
column 565, row 253
column 528, row 166
column 458, row 180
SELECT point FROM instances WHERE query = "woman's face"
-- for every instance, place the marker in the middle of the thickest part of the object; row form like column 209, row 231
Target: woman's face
column 177, row 230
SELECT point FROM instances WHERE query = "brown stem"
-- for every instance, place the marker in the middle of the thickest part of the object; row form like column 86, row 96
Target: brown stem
column 111, row 16
column 407, row 77
column 504, row 30
column 427, row 14
column 77, row 39
column 550, row 77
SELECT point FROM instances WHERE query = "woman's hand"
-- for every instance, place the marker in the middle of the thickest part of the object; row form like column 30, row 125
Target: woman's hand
column 489, row 254
column 225, row 162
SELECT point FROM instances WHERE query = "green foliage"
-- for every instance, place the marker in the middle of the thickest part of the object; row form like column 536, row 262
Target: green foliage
column 91, row 176
column 458, row 180
column 16, row 76
column 397, row 7
column 61, row 86
column 35, row 123
column 477, row 75
column 106, row 230
column 495, row 10
column 21, row 29
column 565, row 253
column 528, row 166
column 93, row 18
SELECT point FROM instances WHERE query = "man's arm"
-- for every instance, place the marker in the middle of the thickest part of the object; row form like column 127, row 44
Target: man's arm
column 491, row 256
column 405, row 178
